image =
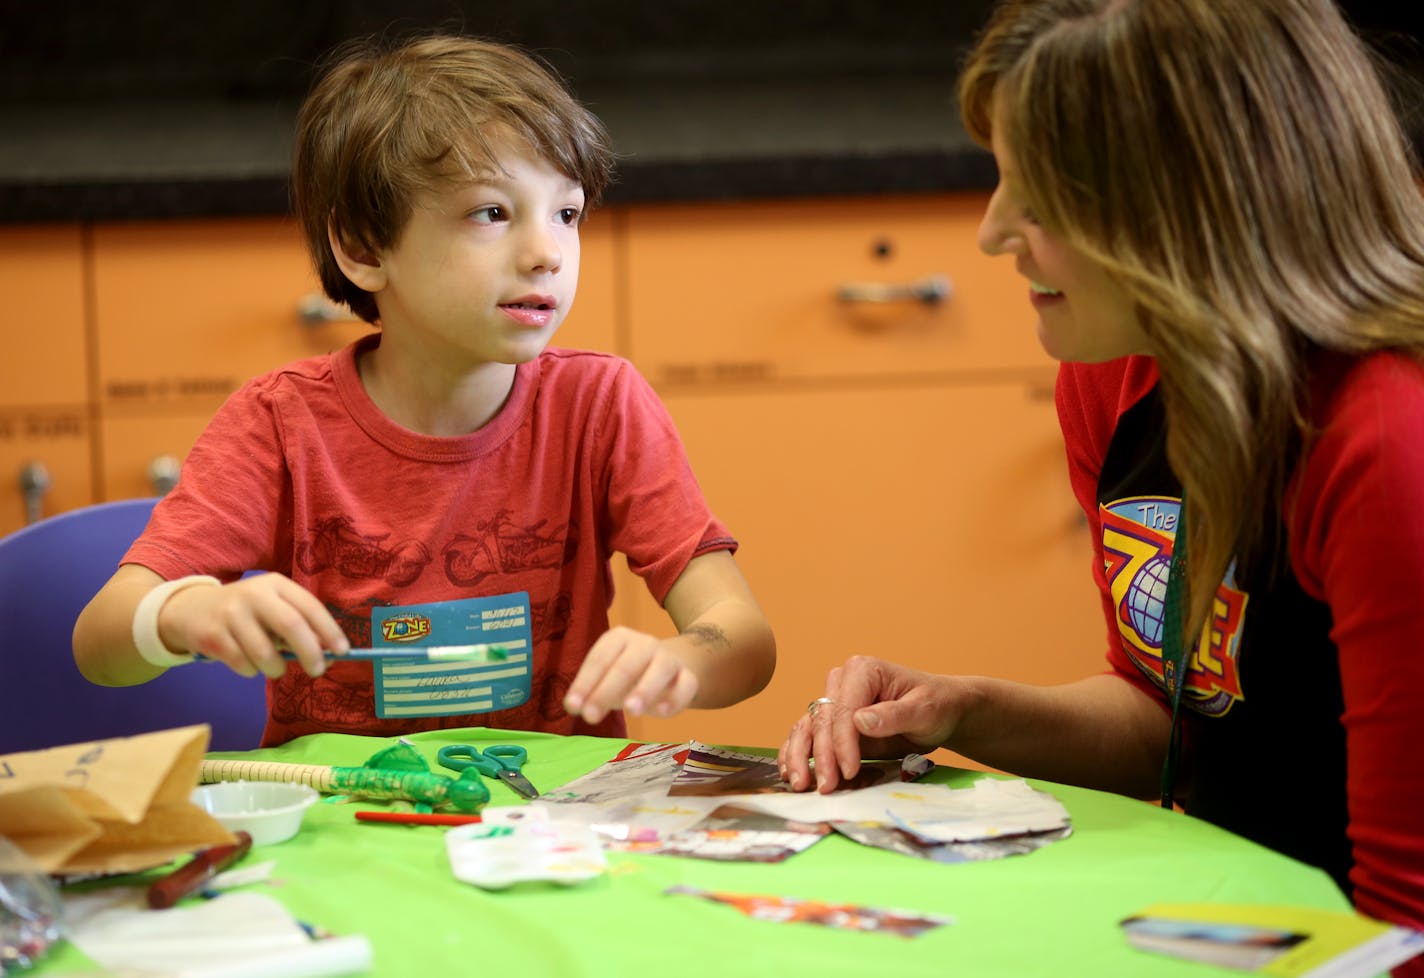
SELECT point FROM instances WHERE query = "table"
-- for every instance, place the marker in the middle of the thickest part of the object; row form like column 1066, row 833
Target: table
column 1053, row 912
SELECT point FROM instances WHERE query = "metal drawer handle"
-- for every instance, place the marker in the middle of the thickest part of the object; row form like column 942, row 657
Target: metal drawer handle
column 931, row 291
column 34, row 484
column 163, row 473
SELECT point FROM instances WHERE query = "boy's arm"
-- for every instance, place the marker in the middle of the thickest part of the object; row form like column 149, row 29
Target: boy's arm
column 243, row 624
column 723, row 637
column 723, row 653
column 103, row 635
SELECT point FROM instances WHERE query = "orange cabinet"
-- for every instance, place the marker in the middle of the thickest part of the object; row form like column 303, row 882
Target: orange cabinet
column 137, row 451
column 931, row 525
column 593, row 319
column 187, row 311
column 42, row 278
column 45, row 421
column 893, row 470
column 46, row 462
column 829, row 288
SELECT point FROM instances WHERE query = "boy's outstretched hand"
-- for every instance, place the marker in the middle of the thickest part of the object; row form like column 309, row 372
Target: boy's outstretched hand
column 722, row 653
column 247, row 623
column 632, row 671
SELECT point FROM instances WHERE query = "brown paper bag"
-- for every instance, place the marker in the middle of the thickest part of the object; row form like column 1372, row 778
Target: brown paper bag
column 109, row 806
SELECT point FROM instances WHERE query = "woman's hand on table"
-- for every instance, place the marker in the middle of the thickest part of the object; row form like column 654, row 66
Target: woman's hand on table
column 876, row 709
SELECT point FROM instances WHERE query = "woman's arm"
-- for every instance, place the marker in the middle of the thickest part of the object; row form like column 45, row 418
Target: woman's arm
column 1357, row 542
column 1099, row 732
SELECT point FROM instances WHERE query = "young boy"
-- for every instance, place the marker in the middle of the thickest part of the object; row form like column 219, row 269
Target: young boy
column 447, row 480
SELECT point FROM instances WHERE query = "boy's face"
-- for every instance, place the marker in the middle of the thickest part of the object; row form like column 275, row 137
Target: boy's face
column 485, row 270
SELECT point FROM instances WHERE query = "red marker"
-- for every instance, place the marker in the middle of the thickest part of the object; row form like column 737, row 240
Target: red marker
column 414, row 818
column 196, row 872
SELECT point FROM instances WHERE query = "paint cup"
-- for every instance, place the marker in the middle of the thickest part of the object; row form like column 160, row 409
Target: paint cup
column 270, row 811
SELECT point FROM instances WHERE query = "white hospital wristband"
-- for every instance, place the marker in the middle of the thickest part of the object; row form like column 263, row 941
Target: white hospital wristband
column 145, row 621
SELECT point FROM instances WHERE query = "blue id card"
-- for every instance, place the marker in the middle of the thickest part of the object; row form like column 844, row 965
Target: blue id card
column 441, row 689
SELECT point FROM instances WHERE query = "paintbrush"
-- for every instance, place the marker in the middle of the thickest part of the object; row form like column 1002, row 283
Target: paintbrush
column 423, row 653
column 411, row 653
column 197, row 872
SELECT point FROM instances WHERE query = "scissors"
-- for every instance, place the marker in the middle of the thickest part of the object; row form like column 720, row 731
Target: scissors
column 501, row 761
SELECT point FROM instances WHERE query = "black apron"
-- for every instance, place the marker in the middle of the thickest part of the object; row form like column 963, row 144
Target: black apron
column 1269, row 764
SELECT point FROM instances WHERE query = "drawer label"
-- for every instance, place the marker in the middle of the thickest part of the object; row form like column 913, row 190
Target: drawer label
column 39, row 426
column 169, row 388
column 717, row 372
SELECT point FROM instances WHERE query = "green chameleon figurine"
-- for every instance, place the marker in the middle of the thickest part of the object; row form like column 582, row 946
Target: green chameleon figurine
column 397, row 772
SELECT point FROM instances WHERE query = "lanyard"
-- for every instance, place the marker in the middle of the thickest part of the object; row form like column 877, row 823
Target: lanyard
column 1174, row 651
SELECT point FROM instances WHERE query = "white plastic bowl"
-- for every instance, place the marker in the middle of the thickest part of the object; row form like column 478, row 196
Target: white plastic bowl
column 269, row 811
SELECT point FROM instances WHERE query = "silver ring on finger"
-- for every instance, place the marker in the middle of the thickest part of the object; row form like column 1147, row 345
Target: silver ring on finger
column 816, row 704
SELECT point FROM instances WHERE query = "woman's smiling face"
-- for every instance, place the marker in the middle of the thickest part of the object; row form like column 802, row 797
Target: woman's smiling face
column 1084, row 315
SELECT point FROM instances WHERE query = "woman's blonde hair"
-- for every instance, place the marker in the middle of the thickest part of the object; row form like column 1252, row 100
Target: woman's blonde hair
column 1238, row 168
column 388, row 119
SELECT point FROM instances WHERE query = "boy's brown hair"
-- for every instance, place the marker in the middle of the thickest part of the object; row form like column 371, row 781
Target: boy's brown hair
column 387, row 121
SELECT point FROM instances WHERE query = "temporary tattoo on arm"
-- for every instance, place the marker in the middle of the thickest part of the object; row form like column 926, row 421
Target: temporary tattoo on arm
column 711, row 636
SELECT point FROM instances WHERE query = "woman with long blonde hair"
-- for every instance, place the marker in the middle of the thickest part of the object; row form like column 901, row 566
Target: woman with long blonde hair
column 1217, row 213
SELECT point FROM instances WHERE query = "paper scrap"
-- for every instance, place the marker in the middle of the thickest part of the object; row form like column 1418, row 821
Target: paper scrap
column 934, row 812
column 987, row 809
column 734, row 833
column 842, row 916
column 235, row 935
column 893, row 839
column 636, row 770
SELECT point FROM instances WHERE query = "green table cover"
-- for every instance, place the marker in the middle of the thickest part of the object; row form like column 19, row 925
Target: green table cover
column 1053, row 912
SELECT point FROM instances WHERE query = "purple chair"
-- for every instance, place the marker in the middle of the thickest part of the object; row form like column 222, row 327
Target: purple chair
column 48, row 572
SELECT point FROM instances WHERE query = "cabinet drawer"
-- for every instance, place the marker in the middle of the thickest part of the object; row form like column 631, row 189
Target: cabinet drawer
column 753, row 291
column 928, row 524
column 58, row 440
column 137, row 452
column 592, row 321
column 42, row 280
column 187, row 311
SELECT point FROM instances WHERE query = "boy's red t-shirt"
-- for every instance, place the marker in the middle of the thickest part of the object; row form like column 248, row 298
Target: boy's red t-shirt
column 301, row 474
